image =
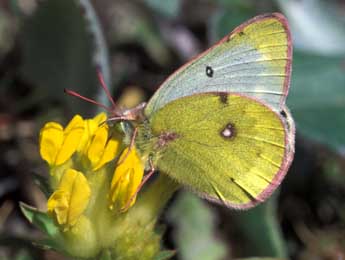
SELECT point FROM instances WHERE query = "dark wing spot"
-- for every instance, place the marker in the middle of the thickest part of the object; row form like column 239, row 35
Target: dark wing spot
column 223, row 97
column 232, row 179
column 241, row 33
column 283, row 113
column 209, row 71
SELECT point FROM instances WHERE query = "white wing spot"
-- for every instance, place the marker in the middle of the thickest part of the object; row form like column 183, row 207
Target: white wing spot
column 228, row 132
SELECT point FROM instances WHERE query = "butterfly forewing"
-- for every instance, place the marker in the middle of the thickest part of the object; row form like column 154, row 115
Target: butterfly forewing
column 254, row 60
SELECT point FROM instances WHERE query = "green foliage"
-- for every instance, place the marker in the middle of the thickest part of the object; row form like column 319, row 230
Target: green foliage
column 57, row 52
column 165, row 8
column 317, row 98
column 106, row 255
column 132, row 25
column 261, row 220
column 40, row 219
column 164, row 255
column 223, row 22
column 194, row 224
column 260, row 258
column 100, row 50
column 43, row 184
column 8, row 29
column 317, row 25
column 44, row 223
column 23, row 255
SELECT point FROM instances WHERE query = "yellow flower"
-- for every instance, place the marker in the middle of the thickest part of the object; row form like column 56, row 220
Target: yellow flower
column 91, row 125
column 96, row 146
column 70, row 199
column 102, row 149
column 57, row 145
column 126, row 180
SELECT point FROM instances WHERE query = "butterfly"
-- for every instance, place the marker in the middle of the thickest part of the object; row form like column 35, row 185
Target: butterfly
column 219, row 124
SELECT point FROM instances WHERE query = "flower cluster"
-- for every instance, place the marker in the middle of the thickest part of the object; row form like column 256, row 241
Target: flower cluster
column 82, row 149
column 93, row 175
column 92, row 205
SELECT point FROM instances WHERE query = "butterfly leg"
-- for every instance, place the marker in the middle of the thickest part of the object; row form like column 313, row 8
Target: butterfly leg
column 118, row 118
column 145, row 179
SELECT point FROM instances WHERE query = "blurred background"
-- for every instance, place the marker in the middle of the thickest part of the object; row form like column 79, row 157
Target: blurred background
column 49, row 45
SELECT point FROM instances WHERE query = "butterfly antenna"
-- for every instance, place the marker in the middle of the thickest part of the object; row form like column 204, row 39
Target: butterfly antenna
column 75, row 94
column 105, row 88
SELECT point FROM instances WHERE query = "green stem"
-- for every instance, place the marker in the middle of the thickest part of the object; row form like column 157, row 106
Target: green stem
column 152, row 201
column 135, row 233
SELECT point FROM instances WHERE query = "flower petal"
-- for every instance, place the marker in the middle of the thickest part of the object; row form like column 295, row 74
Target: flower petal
column 126, row 180
column 100, row 118
column 110, row 151
column 51, row 139
column 72, row 136
column 91, row 125
column 70, row 199
column 97, row 145
column 58, row 206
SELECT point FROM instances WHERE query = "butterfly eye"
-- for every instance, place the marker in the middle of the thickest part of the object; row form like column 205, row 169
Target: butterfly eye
column 209, row 71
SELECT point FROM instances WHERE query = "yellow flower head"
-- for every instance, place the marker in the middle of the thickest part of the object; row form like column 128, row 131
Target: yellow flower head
column 102, row 149
column 126, row 180
column 90, row 138
column 70, row 199
column 97, row 146
column 91, row 126
column 57, row 145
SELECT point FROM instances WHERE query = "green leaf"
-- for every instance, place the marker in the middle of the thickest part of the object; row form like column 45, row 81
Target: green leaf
column 105, row 255
column 43, row 184
column 57, row 53
column 260, row 258
column 40, row 220
column 166, row 8
column 100, row 51
column 223, row 22
column 164, row 255
column 50, row 244
column 261, row 231
column 195, row 229
column 317, row 98
column 23, row 255
column 8, row 30
column 317, row 26
column 137, row 26
column 236, row 5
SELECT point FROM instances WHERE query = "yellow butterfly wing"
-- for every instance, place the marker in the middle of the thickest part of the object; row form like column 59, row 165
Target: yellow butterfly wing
column 254, row 60
column 228, row 148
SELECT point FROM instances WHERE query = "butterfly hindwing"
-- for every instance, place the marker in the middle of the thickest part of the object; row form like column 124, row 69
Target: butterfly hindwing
column 229, row 148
